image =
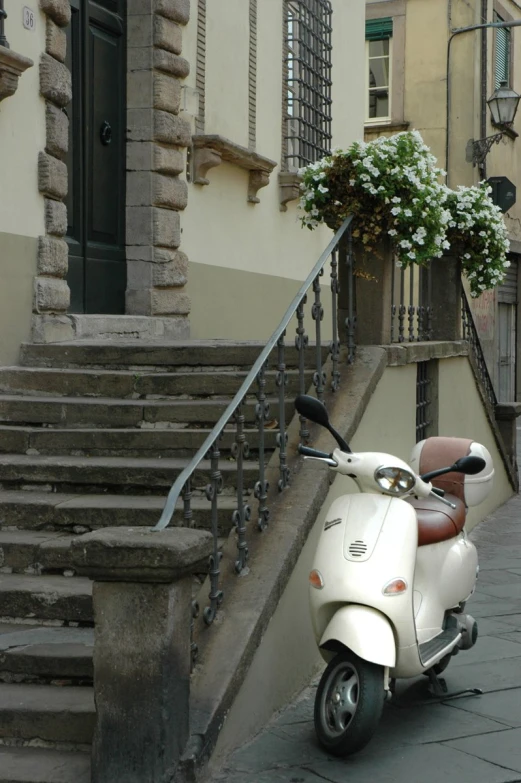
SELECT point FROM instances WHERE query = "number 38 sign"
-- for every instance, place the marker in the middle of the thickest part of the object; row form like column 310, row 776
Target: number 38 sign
column 29, row 18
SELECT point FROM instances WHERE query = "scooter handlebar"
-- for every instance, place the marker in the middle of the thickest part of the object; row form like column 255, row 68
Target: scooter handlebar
column 306, row 451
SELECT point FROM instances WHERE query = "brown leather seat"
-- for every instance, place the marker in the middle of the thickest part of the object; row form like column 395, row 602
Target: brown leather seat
column 439, row 452
column 436, row 521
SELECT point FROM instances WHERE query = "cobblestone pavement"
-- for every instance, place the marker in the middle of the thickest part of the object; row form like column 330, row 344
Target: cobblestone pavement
column 468, row 740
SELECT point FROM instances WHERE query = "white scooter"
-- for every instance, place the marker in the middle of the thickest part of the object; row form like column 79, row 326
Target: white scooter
column 391, row 575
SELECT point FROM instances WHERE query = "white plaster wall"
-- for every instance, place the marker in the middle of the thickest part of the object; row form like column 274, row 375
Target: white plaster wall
column 22, row 130
column 220, row 227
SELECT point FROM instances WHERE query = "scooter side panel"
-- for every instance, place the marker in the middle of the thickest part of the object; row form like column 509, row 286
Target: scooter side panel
column 365, row 631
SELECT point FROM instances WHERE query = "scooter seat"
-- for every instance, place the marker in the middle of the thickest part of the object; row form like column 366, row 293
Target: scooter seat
column 437, row 522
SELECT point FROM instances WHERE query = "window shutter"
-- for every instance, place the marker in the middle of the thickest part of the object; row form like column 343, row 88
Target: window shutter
column 502, row 63
column 378, row 29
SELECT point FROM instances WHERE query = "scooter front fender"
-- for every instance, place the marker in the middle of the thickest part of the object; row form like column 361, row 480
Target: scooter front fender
column 365, row 631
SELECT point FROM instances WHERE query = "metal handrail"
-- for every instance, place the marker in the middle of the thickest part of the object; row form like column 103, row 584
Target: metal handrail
column 184, row 477
column 470, row 334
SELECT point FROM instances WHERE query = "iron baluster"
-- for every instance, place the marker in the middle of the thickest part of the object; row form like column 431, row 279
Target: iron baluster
column 411, row 309
column 428, row 308
column 393, row 305
column 402, row 309
column 261, row 414
column 282, row 436
column 301, row 342
column 335, row 343
column 213, row 489
column 3, row 17
column 194, row 648
column 351, row 317
column 241, row 515
column 187, row 504
column 317, row 313
column 470, row 333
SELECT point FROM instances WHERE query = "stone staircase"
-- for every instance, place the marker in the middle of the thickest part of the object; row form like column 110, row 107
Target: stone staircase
column 93, row 435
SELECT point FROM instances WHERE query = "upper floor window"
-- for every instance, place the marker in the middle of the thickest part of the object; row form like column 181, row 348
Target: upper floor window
column 502, row 47
column 307, row 95
column 378, row 35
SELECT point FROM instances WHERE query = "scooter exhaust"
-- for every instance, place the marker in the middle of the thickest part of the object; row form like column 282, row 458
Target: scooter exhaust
column 469, row 632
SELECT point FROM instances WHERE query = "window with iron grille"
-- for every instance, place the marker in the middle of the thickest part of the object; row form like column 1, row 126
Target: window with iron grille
column 307, row 92
column 502, row 47
column 423, row 401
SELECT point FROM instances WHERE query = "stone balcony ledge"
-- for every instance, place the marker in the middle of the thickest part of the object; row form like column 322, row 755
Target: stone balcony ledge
column 210, row 151
column 12, row 65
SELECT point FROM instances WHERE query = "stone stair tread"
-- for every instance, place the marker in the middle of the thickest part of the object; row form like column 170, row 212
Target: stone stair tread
column 46, row 597
column 47, row 712
column 105, row 500
column 31, row 399
column 28, row 549
column 23, row 636
column 38, row 765
column 50, row 652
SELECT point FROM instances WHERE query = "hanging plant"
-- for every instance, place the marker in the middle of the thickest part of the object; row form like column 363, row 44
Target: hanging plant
column 391, row 187
column 478, row 236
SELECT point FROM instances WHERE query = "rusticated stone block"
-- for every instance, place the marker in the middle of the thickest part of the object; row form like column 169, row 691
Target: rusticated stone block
column 171, row 129
column 140, row 58
column 58, row 10
column 171, row 63
column 167, row 93
column 57, row 131
column 176, row 10
column 51, row 295
column 55, row 41
column 153, row 226
column 55, row 217
column 52, row 176
column 140, row 89
column 171, row 272
column 48, row 328
column 170, row 192
column 167, row 35
column 140, row 124
column 140, row 31
column 53, row 257
column 169, row 301
column 55, row 81
column 168, row 160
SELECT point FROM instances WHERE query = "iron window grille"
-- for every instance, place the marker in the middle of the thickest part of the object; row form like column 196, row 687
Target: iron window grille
column 307, row 94
column 422, row 400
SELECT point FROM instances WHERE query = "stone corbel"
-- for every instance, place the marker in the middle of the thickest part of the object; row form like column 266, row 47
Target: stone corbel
column 289, row 188
column 211, row 151
column 12, row 65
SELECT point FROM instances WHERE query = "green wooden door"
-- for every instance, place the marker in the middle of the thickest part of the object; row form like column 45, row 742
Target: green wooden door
column 96, row 157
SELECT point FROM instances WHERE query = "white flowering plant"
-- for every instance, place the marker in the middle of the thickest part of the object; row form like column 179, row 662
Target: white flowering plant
column 392, row 188
column 478, row 235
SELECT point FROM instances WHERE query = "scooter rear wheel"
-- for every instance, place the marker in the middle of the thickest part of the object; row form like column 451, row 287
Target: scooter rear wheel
column 348, row 704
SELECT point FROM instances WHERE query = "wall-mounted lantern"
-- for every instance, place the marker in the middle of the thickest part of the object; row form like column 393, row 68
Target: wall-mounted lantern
column 503, row 105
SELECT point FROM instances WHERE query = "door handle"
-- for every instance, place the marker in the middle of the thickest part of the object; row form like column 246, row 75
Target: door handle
column 105, row 133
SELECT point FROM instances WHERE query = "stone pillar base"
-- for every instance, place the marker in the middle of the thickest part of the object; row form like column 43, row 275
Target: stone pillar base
column 48, row 328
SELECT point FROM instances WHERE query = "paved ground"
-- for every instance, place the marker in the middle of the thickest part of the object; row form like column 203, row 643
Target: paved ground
column 470, row 740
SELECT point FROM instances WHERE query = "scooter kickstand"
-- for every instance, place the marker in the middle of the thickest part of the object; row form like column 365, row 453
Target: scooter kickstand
column 438, row 689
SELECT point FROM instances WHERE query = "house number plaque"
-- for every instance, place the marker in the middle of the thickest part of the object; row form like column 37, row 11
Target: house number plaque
column 29, row 18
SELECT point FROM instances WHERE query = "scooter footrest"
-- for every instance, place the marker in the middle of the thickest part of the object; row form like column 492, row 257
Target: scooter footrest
column 432, row 648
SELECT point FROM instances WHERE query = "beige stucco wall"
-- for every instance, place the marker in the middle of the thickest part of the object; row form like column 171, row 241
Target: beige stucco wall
column 287, row 657
column 22, row 136
column 267, row 247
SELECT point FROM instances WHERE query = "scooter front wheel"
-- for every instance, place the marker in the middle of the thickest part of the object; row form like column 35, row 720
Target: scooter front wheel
column 348, row 704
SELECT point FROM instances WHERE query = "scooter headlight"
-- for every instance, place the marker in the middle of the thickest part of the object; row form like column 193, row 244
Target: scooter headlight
column 394, row 481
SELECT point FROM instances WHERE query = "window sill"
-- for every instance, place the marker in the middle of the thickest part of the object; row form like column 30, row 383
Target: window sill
column 12, row 65
column 387, row 125
column 210, row 151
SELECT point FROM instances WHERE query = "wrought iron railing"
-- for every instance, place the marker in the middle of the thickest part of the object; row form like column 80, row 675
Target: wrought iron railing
column 411, row 312
column 3, row 16
column 339, row 253
column 470, row 334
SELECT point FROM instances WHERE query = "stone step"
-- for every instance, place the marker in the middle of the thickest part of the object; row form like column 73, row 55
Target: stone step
column 124, row 384
column 87, row 412
column 192, row 353
column 43, row 653
column 34, row 550
column 37, row 765
column 46, row 597
column 150, row 475
column 114, row 442
column 47, row 712
column 78, row 513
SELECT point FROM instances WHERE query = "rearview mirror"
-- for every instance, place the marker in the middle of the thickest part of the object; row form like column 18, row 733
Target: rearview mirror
column 312, row 409
column 469, row 465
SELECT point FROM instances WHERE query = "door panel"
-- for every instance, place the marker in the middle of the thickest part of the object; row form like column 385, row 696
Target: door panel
column 97, row 269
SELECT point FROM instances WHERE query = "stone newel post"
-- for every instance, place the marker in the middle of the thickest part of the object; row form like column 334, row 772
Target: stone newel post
column 142, row 609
